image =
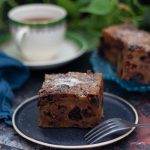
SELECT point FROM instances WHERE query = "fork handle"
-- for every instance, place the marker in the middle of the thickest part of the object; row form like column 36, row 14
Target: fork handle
column 142, row 125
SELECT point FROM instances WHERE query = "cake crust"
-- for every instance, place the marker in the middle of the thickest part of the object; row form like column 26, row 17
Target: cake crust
column 71, row 100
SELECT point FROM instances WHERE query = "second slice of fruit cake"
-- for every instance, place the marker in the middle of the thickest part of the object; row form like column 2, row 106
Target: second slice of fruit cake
column 129, row 49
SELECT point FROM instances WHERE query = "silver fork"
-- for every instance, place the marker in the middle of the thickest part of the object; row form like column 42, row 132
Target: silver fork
column 110, row 127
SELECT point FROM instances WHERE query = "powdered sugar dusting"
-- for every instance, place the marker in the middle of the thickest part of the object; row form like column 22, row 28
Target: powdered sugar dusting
column 140, row 38
column 67, row 81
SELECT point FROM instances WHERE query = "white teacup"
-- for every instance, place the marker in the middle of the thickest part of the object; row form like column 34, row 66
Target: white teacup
column 38, row 30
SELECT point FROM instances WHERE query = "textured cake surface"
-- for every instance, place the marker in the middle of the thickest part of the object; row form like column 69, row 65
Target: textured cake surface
column 71, row 100
column 129, row 49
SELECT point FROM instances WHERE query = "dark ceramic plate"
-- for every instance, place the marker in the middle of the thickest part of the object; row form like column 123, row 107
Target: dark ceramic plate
column 25, row 122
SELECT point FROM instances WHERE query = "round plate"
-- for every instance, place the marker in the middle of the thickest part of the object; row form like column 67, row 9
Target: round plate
column 25, row 122
column 72, row 47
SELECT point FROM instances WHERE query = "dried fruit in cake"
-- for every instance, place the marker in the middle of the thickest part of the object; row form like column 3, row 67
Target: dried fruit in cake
column 129, row 49
column 72, row 99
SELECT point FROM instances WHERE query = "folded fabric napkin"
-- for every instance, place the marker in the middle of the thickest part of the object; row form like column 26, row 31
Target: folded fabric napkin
column 109, row 71
column 12, row 76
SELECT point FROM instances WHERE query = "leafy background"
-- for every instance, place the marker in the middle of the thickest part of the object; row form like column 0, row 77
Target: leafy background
column 88, row 17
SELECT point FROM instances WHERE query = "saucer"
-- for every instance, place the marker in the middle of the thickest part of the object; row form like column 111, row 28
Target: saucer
column 72, row 48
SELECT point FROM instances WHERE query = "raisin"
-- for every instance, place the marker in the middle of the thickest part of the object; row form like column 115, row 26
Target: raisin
column 63, row 87
column 135, row 47
column 145, row 59
column 75, row 114
column 62, row 108
column 133, row 66
column 137, row 77
column 49, row 98
column 94, row 101
column 84, row 93
column 88, row 112
column 127, row 63
column 47, row 114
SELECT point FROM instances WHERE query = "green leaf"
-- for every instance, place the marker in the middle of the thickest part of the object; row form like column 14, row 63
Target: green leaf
column 12, row 3
column 100, row 7
column 82, row 3
column 2, row 2
column 71, row 7
column 146, row 21
column 5, row 37
column 2, row 25
column 46, row 1
column 136, row 7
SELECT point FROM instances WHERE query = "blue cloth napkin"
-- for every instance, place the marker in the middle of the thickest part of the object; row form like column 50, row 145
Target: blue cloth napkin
column 13, row 75
column 109, row 71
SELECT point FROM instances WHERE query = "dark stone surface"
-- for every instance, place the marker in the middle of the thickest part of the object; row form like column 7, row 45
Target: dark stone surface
column 138, row 140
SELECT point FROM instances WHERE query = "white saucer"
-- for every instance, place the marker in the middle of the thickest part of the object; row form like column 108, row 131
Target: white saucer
column 73, row 47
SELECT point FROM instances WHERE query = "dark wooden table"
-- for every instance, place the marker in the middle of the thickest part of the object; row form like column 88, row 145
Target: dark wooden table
column 138, row 140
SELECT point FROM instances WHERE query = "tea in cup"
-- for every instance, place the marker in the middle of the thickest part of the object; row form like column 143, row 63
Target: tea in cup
column 38, row 30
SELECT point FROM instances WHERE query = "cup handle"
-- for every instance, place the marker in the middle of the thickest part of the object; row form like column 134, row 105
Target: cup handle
column 20, row 35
